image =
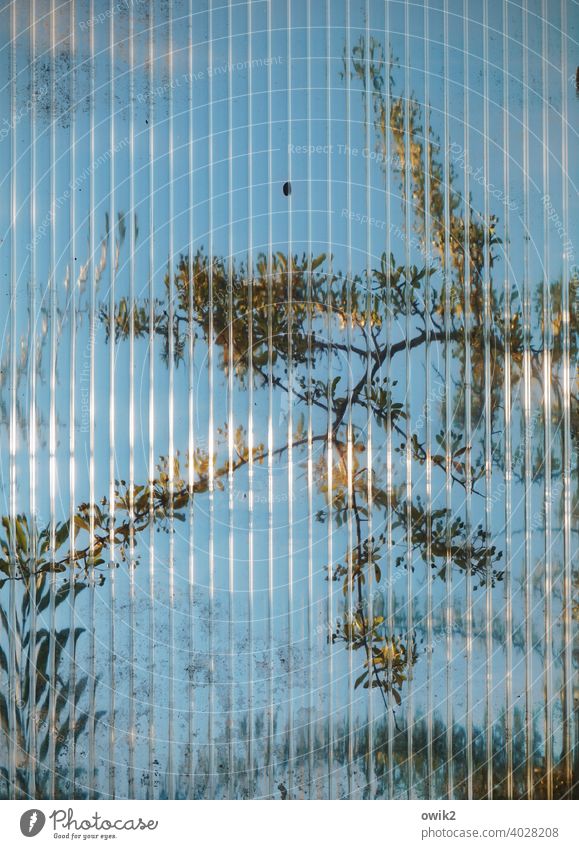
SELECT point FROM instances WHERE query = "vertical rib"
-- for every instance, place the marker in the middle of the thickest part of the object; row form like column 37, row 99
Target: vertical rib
column 151, row 415
column 290, row 513
column 527, row 436
column 507, row 418
column 388, row 363
column 230, row 368
column 369, row 104
column 350, row 574
column 488, row 408
column 210, row 357
column 567, row 436
column 330, row 441
column 52, row 423
column 191, row 432
column 72, row 279
column 13, row 683
column 407, row 198
column 92, row 417
column 250, row 753
column 468, row 420
column 310, row 623
column 33, row 544
column 131, row 565
column 428, row 390
column 171, row 470
column 112, row 388
column 270, row 494
column 448, row 422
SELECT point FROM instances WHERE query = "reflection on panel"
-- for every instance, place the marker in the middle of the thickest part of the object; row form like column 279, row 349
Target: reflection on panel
column 288, row 400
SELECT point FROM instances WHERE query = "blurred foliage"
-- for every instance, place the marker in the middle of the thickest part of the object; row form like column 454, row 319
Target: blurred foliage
column 38, row 664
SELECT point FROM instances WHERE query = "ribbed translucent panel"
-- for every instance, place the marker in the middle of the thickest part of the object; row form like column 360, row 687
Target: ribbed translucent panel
column 289, row 402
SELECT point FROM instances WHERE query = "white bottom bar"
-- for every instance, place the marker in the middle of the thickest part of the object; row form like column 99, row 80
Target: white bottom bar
column 405, row 824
